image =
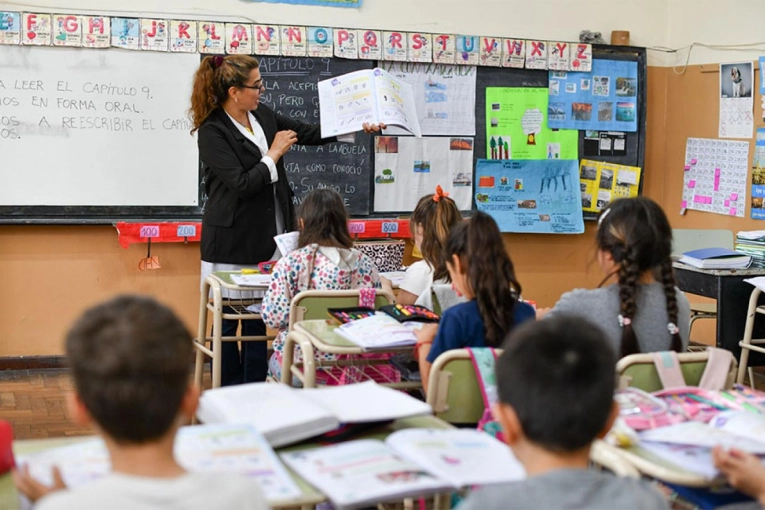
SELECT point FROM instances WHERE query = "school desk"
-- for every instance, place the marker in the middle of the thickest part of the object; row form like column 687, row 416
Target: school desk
column 312, row 335
column 219, row 291
column 310, row 497
column 732, row 293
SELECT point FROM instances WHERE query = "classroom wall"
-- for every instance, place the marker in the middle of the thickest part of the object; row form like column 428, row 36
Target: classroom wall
column 715, row 22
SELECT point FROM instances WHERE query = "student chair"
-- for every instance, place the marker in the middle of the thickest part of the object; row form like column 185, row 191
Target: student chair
column 313, row 305
column 639, row 370
column 684, row 240
column 453, row 389
column 749, row 344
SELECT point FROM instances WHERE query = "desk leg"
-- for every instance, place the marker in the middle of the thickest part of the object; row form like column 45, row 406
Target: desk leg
column 201, row 334
column 217, row 344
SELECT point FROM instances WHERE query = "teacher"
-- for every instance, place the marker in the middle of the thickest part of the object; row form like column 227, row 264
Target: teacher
column 249, row 200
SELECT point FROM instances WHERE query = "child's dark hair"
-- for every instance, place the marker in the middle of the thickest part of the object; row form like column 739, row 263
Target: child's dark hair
column 130, row 358
column 558, row 375
column 636, row 232
column 324, row 220
column 490, row 273
column 437, row 214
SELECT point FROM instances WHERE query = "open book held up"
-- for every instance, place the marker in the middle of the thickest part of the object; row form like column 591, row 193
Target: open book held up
column 372, row 95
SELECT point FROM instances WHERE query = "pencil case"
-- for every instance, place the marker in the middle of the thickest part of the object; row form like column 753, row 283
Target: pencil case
column 344, row 315
column 404, row 313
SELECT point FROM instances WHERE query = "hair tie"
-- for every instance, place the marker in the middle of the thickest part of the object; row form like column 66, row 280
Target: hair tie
column 217, row 61
column 439, row 193
column 673, row 329
column 624, row 321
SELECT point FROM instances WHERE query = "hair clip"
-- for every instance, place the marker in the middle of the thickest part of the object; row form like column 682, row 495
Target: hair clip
column 439, row 193
column 217, row 61
column 624, row 321
column 603, row 216
column 673, row 329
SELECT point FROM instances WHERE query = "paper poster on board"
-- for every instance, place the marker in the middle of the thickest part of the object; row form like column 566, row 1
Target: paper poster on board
column 604, row 100
column 407, row 168
column 530, row 196
column 601, row 183
column 758, row 177
column 516, row 126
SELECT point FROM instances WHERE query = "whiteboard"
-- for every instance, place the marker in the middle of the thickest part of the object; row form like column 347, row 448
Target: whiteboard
column 85, row 127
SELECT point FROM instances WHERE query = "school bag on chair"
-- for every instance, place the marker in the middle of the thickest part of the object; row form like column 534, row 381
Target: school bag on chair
column 484, row 361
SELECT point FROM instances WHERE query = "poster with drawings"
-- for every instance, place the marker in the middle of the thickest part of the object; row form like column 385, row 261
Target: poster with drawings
column 407, row 168
column 715, row 176
column 605, row 99
column 534, row 196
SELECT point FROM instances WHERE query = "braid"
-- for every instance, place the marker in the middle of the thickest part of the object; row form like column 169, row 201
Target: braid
column 628, row 276
column 668, row 282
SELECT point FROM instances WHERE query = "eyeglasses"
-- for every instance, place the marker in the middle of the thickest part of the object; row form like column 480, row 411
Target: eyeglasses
column 258, row 85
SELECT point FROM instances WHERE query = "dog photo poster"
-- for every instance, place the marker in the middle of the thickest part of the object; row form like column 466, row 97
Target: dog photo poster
column 736, row 100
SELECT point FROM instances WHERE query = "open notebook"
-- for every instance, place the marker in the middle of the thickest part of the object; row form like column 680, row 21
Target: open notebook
column 202, row 448
column 409, row 462
column 286, row 415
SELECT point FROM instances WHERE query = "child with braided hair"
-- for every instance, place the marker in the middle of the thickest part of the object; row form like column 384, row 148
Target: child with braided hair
column 642, row 310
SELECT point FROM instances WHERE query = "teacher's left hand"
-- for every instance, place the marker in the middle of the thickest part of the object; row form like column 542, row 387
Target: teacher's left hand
column 373, row 128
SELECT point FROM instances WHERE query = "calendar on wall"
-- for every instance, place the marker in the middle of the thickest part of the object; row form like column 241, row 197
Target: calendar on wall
column 715, row 176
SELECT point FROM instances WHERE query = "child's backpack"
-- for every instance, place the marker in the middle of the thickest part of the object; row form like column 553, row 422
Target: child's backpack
column 484, row 360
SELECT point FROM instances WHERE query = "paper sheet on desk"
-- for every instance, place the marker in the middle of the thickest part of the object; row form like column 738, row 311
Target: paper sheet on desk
column 251, row 280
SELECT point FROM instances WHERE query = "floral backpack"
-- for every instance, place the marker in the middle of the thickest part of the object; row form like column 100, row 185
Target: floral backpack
column 484, row 360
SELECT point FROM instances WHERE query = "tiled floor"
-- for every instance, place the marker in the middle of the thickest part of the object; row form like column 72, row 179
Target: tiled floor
column 34, row 402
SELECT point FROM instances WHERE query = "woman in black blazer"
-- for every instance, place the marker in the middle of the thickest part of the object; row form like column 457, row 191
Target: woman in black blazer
column 249, row 200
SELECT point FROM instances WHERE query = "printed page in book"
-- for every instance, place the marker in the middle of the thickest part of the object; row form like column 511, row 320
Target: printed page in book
column 346, row 102
column 694, row 433
column 463, row 457
column 277, row 411
column 363, row 471
column 366, row 402
column 199, row 448
column 395, row 102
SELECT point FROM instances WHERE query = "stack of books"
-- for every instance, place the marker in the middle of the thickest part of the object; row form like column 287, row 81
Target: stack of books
column 752, row 243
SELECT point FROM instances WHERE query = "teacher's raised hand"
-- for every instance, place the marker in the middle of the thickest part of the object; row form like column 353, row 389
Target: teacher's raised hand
column 373, row 128
column 283, row 140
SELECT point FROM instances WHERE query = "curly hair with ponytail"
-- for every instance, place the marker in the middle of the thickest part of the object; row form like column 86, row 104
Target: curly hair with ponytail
column 490, row 273
column 217, row 74
column 637, row 235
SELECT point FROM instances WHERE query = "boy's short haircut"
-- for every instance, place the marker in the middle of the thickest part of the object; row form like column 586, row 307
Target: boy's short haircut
column 558, row 374
column 130, row 358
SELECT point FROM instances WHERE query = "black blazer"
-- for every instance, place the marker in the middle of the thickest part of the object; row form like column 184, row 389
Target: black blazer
column 239, row 220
